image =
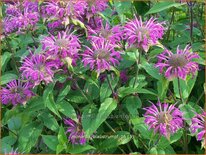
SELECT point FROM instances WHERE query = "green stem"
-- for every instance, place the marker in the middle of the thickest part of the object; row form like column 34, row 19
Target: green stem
column 171, row 21
column 137, row 72
column 179, row 89
column 110, row 85
column 10, row 130
column 185, row 138
column 81, row 91
column 198, row 100
column 157, row 140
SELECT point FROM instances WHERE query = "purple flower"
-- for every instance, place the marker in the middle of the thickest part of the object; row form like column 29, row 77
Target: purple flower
column 66, row 44
column 37, row 68
column 55, row 25
column 101, row 56
column 21, row 19
column 113, row 34
column 143, row 34
column 53, row 8
column 95, row 6
column 32, row 6
column 95, row 23
column 163, row 118
column 61, row 9
column 179, row 64
column 77, row 134
column 198, row 125
column 16, row 92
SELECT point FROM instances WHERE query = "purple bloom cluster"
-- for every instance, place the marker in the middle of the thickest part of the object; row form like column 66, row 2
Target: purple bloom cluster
column 21, row 16
column 16, row 92
column 77, row 135
column 101, row 56
column 65, row 44
column 112, row 34
column 36, row 68
column 83, row 10
column 143, row 34
column 179, row 64
column 198, row 125
column 165, row 119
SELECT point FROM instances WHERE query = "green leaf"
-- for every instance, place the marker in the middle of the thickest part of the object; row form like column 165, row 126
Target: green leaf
column 62, row 138
column 67, row 109
column 88, row 116
column 63, row 93
column 122, row 7
column 104, row 111
column 105, row 90
column 28, row 136
column 79, row 23
column 175, row 137
column 151, row 70
column 124, row 91
column 51, row 105
column 50, row 141
column 5, row 59
column 141, row 127
column 91, row 90
column 76, row 149
column 60, row 148
column 76, row 97
column 160, row 6
column 132, row 104
column 153, row 150
column 7, row 77
column 34, row 105
column 186, row 86
column 145, row 91
column 5, row 148
column 141, row 7
column 14, row 123
column 162, row 86
column 49, row 121
column 188, row 112
column 113, row 141
column 10, row 140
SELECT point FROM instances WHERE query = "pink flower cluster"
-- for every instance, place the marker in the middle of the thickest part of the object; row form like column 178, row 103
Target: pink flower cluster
column 21, row 16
